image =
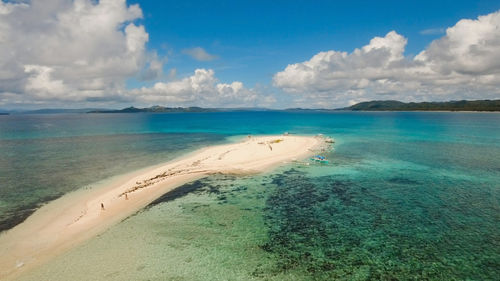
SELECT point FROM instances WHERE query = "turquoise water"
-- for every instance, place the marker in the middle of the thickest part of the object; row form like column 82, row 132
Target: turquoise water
column 408, row 196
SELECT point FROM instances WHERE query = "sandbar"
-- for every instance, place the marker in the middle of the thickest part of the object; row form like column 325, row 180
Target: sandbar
column 78, row 216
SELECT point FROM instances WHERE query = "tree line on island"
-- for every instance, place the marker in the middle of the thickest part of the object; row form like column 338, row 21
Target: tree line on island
column 378, row 105
column 387, row 105
column 392, row 105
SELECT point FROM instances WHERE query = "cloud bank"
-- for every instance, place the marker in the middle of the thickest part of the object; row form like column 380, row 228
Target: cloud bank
column 202, row 89
column 464, row 63
column 78, row 52
column 68, row 50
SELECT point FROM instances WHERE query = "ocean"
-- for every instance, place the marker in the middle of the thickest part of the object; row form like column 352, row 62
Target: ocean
column 406, row 196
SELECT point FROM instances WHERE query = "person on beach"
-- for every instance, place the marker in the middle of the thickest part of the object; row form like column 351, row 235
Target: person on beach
column 126, row 196
column 102, row 206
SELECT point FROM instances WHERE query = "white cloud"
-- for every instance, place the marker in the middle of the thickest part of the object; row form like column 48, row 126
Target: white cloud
column 199, row 54
column 69, row 50
column 464, row 63
column 201, row 89
column 83, row 51
column 433, row 31
column 154, row 67
column 41, row 83
column 471, row 47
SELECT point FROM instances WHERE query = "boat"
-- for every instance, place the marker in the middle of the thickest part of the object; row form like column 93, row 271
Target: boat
column 329, row 140
column 319, row 159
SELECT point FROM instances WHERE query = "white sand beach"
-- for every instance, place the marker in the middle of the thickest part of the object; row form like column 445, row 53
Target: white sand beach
column 76, row 217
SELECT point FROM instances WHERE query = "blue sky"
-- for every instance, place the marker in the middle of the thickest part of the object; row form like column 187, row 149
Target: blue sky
column 115, row 53
column 255, row 39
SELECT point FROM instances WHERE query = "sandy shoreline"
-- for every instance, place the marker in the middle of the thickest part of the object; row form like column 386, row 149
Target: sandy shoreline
column 76, row 217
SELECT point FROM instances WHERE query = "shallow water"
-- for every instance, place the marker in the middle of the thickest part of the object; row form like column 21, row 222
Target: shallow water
column 407, row 196
column 34, row 171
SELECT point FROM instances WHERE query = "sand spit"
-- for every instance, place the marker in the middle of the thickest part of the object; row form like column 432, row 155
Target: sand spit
column 70, row 220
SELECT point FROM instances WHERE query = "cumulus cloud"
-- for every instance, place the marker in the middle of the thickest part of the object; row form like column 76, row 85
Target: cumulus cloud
column 199, row 54
column 464, row 63
column 69, row 50
column 41, row 83
column 202, row 89
column 83, row 51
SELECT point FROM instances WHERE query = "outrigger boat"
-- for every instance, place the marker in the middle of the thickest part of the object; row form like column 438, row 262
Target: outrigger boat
column 319, row 159
column 329, row 140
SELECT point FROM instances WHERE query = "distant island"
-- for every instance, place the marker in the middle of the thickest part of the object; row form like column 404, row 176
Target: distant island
column 59, row 110
column 392, row 105
column 156, row 109
column 50, row 111
column 377, row 105
column 387, row 105
column 162, row 109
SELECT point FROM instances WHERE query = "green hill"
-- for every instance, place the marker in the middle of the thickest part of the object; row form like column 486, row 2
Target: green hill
column 392, row 105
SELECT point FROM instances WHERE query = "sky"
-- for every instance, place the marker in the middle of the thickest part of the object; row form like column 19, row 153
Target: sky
column 274, row 54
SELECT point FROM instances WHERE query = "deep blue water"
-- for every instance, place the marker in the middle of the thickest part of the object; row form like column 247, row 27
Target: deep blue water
column 408, row 195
